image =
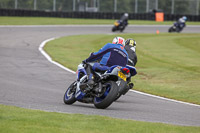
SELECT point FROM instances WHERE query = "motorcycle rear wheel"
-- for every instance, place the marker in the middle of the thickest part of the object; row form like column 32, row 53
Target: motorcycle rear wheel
column 122, row 29
column 108, row 97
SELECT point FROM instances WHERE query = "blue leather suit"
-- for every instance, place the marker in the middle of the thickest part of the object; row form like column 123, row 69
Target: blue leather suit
column 109, row 55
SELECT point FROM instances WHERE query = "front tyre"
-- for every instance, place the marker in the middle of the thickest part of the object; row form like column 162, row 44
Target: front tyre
column 69, row 97
column 111, row 91
column 114, row 28
column 170, row 29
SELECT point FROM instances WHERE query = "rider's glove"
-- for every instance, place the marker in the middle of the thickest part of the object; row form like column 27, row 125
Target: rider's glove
column 84, row 61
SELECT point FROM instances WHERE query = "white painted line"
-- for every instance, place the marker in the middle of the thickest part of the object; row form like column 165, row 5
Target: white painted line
column 138, row 92
column 49, row 58
column 163, row 98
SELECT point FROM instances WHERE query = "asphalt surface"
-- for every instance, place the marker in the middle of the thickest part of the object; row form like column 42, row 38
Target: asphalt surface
column 29, row 80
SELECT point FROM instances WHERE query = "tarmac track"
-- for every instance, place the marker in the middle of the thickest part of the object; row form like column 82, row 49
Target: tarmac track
column 29, row 80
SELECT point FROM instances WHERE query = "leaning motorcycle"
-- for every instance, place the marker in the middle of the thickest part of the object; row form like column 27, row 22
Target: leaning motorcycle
column 176, row 27
column 124, row 80
column 101, row 93
column 118, row 25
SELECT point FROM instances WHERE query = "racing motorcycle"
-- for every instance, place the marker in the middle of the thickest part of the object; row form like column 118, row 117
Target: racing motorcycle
column 177, row 27
column 124, row 81
column 119, row 25
column 102, row 92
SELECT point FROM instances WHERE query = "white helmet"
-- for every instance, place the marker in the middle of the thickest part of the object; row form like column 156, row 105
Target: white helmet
column 126, row 14
column 119, row 40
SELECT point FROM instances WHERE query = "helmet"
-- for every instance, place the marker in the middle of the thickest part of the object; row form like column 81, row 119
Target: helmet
column 184, row 18
column 126, row 14
column 119, row 40
column 130, row 42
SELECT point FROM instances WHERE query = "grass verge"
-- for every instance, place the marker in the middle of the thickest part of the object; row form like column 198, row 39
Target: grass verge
column 19, row 120
column 70, row 21
column 168, row 64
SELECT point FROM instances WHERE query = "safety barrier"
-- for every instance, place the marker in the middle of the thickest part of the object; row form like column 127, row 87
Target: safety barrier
column 92, row 15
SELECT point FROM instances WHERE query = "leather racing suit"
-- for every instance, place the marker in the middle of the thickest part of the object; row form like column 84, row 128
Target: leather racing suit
column 109, row 55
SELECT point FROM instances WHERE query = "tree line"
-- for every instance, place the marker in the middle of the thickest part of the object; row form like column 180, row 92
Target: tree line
column 180, row 6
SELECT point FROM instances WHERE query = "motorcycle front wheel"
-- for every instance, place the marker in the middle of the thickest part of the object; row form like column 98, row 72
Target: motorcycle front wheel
column 110, row 93
column 114, row 28
column 69, row 97
column 170, row 29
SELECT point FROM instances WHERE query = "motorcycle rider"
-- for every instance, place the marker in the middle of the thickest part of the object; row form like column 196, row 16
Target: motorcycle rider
column 109, row 55
column 130, row 47
column 182, row 20
column 181, row 23
column 121, row 23
column 124, row 19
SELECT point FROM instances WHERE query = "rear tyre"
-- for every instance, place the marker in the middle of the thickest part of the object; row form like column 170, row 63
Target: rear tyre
column 122, row 29
column 111, row 91
column 69, row 97
column 118, row 96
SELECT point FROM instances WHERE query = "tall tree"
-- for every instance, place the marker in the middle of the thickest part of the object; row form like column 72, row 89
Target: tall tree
column 7, row 4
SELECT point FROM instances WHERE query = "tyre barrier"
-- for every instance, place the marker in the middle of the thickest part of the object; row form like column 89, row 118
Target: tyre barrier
column 91, row 15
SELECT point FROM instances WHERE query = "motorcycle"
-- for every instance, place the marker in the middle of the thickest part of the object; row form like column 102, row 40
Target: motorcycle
column 119, row 25
column 124, row 82
column 176, row 27
column 102, row 93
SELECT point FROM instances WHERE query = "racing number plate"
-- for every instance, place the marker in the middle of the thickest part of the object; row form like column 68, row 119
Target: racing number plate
column 122, row 76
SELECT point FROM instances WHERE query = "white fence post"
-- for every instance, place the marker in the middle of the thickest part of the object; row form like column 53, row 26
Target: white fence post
column 98, row 5
column 35, row 4
column 172, row 8
column 147, row 6
column 74, row 5
column 16, row 4
column 54, row 5
column 115, row 5
column 136, row 6
column 156, row 5
column 197, row 9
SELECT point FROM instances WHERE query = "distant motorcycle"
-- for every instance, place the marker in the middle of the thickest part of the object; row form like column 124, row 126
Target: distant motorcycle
column 102, row 93
column 119, row 25
column 177, row 27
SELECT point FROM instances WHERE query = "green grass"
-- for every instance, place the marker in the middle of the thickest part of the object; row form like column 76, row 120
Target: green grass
column 19, row 120
column 168, row 64
column 69, row 21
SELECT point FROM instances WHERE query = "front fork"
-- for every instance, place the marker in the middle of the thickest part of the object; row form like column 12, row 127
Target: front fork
column 79, row 94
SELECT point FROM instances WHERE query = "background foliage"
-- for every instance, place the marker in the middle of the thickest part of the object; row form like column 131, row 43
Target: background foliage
column 180, row 6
